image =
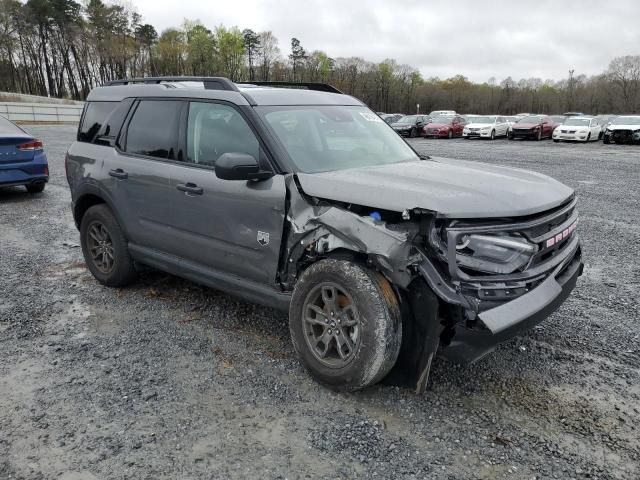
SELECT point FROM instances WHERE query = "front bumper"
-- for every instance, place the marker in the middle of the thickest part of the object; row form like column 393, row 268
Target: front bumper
column 404, row 132
column 524, row 134
column 514, row 317
column 479, row 134
column 622, row 136
column 571, row 137
column 436, row 134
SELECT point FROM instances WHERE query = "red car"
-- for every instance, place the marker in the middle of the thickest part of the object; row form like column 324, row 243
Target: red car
column 533, row 126
column 444, row 127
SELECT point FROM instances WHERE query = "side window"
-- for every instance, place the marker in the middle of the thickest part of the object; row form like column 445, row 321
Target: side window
column 95, row 113
column 153, row 130
column 214, row 129
column 113, row 123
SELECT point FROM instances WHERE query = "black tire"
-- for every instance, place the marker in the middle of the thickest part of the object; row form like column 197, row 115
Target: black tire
column 493, row 135
column 509, row 136
column 557, row 141
column 121, row 270
column 589, row 137
column 35, row 187
column 606, row 140
column 539, row 136
column 373, row 334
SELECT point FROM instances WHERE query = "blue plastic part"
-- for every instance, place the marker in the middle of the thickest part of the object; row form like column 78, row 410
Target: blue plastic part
column 376, row 216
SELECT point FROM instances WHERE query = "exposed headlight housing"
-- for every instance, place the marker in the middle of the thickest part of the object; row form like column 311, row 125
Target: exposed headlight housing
column 502, row 254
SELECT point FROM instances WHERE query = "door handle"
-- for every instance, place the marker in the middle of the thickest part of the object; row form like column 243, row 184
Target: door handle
column 119, row 173
column 189, row 188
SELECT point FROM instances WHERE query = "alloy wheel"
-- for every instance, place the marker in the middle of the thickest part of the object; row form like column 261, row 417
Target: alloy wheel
column 100, row 246
column 331, row 325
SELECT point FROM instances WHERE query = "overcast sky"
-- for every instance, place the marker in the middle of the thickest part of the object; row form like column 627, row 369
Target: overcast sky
column 479, row 39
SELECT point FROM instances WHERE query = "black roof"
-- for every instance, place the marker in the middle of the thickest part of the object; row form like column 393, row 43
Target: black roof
column 219, row 88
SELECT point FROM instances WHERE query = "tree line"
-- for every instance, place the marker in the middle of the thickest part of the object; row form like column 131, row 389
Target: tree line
column 62, row 48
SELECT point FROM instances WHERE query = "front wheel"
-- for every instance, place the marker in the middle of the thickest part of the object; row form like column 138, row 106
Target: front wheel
column 606, row 140
column 539, row 136
column 345, row 324
column 493, row 134
column 105, row 248
column 450, row 136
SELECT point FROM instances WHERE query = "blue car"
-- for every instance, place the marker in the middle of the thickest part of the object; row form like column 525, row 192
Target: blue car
column 22, row 158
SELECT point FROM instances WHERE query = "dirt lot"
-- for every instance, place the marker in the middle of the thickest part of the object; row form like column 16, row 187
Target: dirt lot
column 167, row 379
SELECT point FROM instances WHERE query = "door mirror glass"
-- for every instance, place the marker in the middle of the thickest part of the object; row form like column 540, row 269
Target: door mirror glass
column 239, row 166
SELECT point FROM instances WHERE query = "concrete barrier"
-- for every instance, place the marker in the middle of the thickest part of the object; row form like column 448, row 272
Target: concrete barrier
column 40, row 112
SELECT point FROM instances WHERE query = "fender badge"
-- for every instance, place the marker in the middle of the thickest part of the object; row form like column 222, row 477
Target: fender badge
column 263, row 238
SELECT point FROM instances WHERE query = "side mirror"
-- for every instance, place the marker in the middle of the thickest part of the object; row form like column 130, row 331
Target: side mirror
column 239, row 166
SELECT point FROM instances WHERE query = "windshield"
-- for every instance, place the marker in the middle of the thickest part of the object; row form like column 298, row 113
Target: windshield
column 530, row 119
column 327, row 138
column 442, row 120
column 577, row 122
column 626, row 121
column 409, row 119
column 558, row 118
column 482, row 119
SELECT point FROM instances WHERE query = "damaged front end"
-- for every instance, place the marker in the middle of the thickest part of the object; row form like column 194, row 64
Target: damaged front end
column 464, row 286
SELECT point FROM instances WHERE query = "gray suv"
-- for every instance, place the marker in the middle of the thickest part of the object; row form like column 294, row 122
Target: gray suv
column 302, row 198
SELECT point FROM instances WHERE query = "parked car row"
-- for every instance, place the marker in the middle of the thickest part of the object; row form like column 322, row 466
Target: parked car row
column 570, row 126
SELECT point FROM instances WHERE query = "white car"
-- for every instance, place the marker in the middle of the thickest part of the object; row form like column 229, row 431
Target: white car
column 486, row 126
column 623, row 129
column 442, row 113
column 578, row 129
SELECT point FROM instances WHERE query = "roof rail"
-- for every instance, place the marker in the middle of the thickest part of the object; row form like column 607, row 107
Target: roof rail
column 210, row 83
column 319, row 87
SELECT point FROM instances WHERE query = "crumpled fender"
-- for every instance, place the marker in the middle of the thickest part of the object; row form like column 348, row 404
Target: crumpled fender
column 325, row 227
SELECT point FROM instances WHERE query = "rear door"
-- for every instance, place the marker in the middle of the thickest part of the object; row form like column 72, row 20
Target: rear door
column 138, row 171
column 229, row 226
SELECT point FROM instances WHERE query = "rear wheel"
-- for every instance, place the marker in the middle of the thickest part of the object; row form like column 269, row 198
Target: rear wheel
column 105, row 248
column 345, row 324
column 35, row 187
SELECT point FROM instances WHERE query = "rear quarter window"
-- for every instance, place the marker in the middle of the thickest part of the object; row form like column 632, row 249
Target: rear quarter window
column 95, row 113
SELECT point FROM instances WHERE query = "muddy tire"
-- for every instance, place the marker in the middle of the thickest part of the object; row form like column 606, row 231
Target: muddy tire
column 105, row 248
column 345, row 324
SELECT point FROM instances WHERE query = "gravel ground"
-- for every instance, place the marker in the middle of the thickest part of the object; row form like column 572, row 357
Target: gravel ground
column 167, row 379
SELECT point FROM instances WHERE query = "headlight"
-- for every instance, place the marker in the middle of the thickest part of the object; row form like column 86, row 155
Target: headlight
column 486, row 129
column 494, row 254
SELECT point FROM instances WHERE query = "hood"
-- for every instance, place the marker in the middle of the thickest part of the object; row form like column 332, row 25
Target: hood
column 402, row 125
column 452, row 188
column 525, row 125
column 624, row 127
column 479, row 125
column 438, row 125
